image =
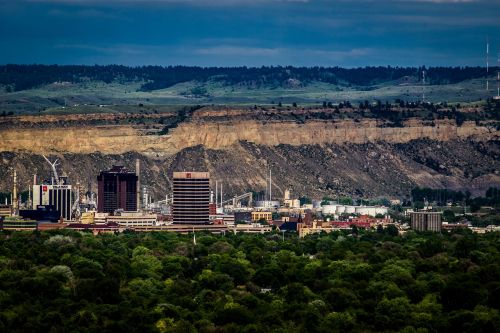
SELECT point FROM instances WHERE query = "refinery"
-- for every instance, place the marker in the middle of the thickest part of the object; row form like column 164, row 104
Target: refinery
column 194, row 203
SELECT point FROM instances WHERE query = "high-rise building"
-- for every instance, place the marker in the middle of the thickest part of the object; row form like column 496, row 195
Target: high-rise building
column 117, row 189
column 426, row 221
column 59, row 196
column 191, row 197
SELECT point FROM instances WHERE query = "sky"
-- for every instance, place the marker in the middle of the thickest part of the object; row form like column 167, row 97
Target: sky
column 347, row 33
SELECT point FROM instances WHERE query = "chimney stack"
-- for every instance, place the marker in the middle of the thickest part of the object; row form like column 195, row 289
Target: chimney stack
column 14, row 194
column 138, row 188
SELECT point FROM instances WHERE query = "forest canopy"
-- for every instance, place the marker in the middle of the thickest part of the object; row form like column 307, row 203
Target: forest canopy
column 63, row 281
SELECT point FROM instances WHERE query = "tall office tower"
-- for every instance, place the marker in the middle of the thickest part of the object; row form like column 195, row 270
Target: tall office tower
column 117, row 189
column 191, row 197
column 59, row 196
column 426, row 221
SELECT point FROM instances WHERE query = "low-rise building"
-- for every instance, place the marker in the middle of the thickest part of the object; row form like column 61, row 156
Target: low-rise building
column 14, row 223
column 132, row 219
column 257, row 215
column 88, row 217
column 336, row 210
column 267, row 204
column 245, row 217
column 5, row 210
column 291, row 203
column 252, row 228
column 95, row 228
column 349, row 224
column 100, row 218
column 316, row 227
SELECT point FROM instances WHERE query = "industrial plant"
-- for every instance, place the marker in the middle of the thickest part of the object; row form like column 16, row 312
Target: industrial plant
column 195, row 202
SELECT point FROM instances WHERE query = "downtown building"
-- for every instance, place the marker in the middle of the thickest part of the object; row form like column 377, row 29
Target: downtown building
column 58, row 196
column 191, row 197
column 426, row 221
column 117, row 189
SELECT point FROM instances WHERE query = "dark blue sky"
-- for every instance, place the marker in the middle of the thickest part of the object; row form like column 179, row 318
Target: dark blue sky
column 253, row 33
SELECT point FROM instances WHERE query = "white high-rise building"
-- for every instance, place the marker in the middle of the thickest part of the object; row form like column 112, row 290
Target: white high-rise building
column 60, row 196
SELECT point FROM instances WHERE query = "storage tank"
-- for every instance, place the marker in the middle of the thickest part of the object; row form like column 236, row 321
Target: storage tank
column 365, row 210
column 317, row 204
column 350, row 209
column 371, row 210
column 329, row 209
column 267, row 204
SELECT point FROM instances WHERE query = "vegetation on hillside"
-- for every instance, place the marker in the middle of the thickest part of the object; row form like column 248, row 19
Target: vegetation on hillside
column 21, row 77
column 444, row 196
column 161, row 282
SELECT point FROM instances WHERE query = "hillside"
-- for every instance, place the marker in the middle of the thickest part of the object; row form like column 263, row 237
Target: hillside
column 40, row 89
column 314, row 152
column 22, row 77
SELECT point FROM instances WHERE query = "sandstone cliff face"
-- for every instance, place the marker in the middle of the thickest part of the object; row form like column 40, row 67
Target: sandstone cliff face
column 117, row 139
column 311, row 156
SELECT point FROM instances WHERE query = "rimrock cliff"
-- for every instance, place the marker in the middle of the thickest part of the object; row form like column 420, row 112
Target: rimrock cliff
column 312, row 156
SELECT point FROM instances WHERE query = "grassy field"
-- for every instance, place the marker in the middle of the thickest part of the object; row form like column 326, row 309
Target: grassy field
column 89, row 97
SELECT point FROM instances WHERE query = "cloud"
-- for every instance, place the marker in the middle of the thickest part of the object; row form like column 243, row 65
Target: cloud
column 227, row 50
column 435, row 21
column 122, row 49
column 442, row 1
column 192, row 2
column 283, row 52
column 85, row 13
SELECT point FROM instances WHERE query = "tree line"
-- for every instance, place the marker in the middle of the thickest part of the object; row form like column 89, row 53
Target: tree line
column 442, row 196
column 21, row 77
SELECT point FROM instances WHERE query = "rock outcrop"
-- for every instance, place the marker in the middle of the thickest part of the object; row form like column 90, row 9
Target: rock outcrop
column 315, row 157
column 82, row 138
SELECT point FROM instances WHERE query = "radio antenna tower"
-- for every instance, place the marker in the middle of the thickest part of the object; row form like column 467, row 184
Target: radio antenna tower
column 423, row 86
column 487, row 64
column 498, row 75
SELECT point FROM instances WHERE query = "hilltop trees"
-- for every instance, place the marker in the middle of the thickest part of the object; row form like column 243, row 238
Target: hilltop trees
column 21, row 77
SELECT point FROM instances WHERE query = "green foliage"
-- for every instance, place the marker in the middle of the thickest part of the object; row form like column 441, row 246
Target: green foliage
column 305, row 200
column 442, row 196
column 60, row 281
column 345, row 201
column 20, row 77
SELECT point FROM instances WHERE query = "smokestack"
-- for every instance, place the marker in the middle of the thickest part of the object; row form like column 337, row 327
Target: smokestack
column 138, row 188
column 78, row 193
column 14, row 194
column 270, row 188
column 216, row 194
column 34, row 179
column 221, row 196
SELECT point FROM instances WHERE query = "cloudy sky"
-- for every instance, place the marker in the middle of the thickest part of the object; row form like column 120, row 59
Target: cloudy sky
column 253, row 33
